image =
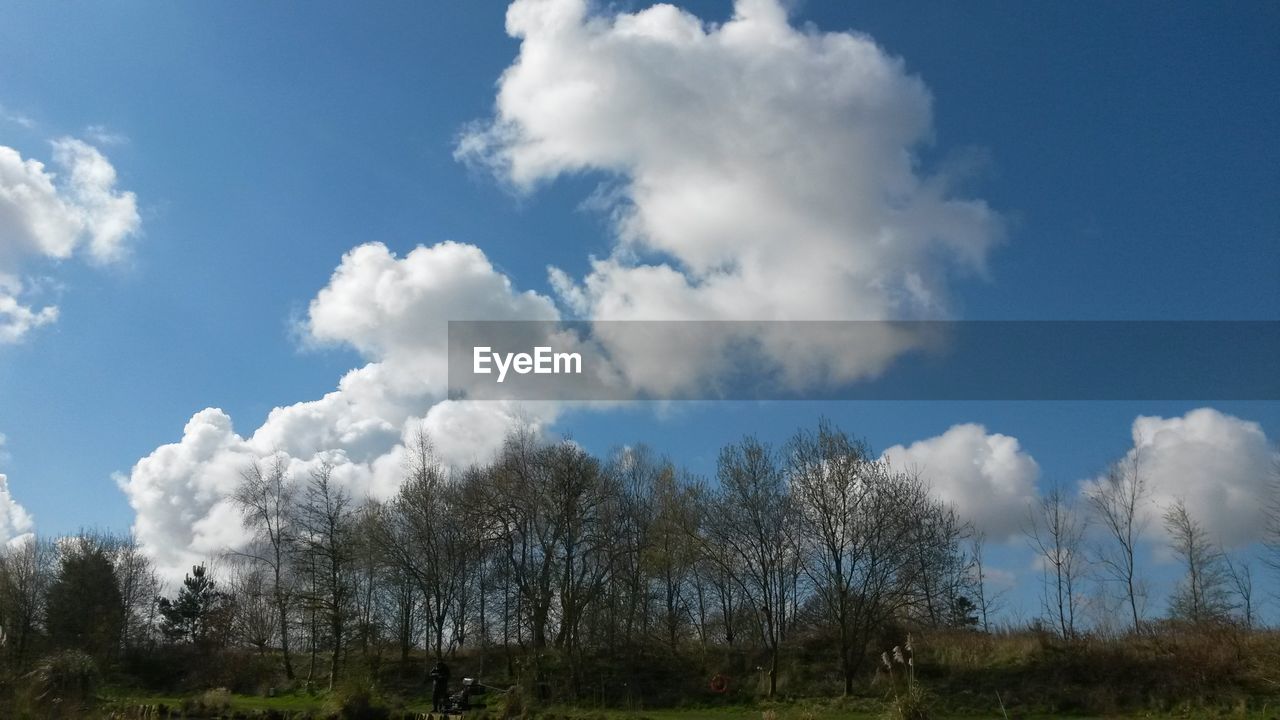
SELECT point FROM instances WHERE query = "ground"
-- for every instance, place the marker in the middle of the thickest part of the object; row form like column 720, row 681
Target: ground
column 855, row 709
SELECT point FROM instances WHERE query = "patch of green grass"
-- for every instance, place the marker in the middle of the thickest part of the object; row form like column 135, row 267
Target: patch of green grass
column 288, row 701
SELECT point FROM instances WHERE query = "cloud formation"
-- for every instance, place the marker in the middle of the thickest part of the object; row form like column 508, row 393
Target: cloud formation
column 51, row 216
column 16, row 524
column 987, row 477
column 1221, row 465
column 758, row 171
column 394, row 312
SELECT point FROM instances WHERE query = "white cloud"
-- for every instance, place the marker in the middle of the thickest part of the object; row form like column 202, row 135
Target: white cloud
column 16, row 524
column 17, row 118
column 103, row 135
column 394, row 312
column 762, row 172
column 758, row 172
column 397, row 309
column 987, row 477
column 53, row 215
column 1221, row 465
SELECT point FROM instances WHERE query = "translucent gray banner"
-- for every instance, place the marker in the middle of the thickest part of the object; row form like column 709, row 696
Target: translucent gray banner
column 852, row 360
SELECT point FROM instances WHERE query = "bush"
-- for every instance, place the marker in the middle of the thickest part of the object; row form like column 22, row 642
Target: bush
column 356, row 699
column 210, row 702
column 63, row 684
column 513, row 704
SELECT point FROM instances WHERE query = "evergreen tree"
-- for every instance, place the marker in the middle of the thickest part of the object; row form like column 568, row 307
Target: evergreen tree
column 962, row 613
column 83, row 608
column 188, row 617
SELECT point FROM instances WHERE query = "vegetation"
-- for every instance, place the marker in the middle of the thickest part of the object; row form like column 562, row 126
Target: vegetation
column 806, row 580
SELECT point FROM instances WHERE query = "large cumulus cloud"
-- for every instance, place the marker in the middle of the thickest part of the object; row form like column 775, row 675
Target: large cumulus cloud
column 394, row 312
column 987, row 477
column 753, row 171
column 758, row 171
column 1221, row 465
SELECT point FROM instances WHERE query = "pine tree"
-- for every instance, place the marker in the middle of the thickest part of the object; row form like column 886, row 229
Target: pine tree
column 187, row 618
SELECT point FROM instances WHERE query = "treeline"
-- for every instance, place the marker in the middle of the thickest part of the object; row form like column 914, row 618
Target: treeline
column 548, row 564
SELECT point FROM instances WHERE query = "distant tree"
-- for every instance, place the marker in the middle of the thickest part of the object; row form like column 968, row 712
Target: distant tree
column 857, row 520
column 1240, row 576
column 26, row 571
column 84, row 609
column 1055, row 531
column 636, row 469
column 671, row 556
column 188, row 618
column 988, row 602
column 418, row 534
column 324, row 538
column 265, row 499
column 139, row 585
column 1203, row 595
column 944, row 571
column 1119, row 502
column 255, row 617
column 1272, row 507
column 962, row 613
column 750, row 519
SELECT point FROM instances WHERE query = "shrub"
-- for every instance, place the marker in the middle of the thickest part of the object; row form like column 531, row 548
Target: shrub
column 355, row 699
column 910, row 700
column 209, row 702
column 63, row 684
column 513, row 704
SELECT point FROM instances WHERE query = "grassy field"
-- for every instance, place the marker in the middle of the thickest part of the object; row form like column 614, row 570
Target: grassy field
column 320, row 706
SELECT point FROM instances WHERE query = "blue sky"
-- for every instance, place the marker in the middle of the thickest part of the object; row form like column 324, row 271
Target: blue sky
column 1129, row 149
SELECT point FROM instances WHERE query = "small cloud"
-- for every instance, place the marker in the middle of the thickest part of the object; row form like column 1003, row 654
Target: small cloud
column 102, row 135
column 16, row 118
column 75, row 209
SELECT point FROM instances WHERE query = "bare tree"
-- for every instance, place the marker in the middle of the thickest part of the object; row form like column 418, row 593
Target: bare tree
column 1119, row 502
column 1271, row 539
column 943, row 575
column 1240, row 577
column 989, row 603
column 1203, row 594
column 323, row 531
column 750, row 519
column 420, row 536
column 1055, row 531
column 265, row 499
column 854, row 511
column 26, row 571
column 139, row 587
column 671, row 557
column 635, row 470
column 256, row 617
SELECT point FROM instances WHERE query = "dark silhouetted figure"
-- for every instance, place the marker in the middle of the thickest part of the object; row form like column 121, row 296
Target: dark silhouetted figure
column 440, row 687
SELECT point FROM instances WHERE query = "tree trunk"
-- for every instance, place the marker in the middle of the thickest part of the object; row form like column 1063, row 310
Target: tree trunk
column 283, row 608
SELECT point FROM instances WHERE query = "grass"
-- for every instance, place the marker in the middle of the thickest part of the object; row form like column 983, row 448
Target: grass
column 803, row 711
column 285, row 702
column 841, row 709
